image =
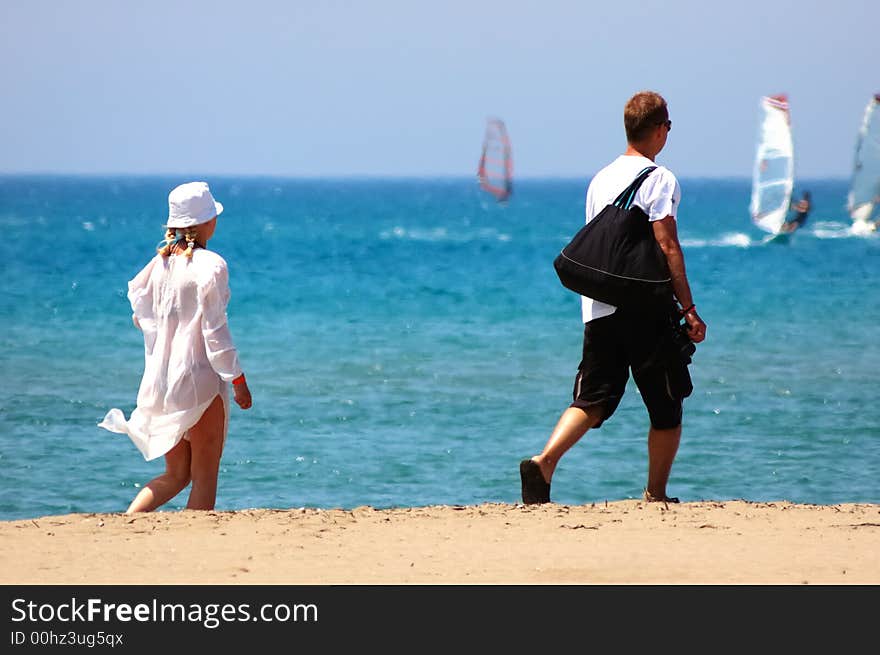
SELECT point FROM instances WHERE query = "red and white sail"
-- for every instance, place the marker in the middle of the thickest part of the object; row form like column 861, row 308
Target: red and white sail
column 495, row 170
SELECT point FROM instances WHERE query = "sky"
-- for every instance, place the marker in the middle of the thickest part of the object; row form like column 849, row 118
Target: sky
column 327, row 88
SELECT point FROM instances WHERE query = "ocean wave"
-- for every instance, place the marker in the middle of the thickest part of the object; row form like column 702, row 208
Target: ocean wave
column 820, row 230
column 440, row 234
column 839, row 230
column 726, row 240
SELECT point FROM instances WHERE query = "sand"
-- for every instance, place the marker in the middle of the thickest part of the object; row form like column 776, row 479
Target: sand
column 622, row 542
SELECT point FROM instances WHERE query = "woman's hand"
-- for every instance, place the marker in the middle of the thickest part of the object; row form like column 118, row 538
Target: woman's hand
column 242, row 394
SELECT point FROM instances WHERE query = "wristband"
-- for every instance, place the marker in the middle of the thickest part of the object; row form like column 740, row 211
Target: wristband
column 239, row 379
column 689, row 309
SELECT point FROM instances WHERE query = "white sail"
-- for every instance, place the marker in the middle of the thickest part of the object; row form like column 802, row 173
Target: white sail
column 773, row 175
column 864, row 190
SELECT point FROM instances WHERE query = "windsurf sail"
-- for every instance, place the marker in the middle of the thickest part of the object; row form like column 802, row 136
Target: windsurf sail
column 773, row 175
column 864, row 190
column 495, row 171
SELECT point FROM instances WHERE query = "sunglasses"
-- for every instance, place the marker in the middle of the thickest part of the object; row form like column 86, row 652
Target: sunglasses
column 667, row 123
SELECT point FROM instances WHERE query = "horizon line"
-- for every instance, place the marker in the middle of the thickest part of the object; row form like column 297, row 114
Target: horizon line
column 370, row 176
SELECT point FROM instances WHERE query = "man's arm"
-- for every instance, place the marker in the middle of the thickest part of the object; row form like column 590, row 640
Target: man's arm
column 666, row 233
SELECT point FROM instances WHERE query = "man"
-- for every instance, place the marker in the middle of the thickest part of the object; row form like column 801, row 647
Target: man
column 617, row 340
column 801, row 209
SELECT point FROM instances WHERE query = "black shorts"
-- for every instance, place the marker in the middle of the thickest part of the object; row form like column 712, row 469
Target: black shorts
column 615, row 344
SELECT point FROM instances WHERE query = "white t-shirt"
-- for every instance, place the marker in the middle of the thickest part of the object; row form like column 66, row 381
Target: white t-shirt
column 180, row 306
column 658, row 197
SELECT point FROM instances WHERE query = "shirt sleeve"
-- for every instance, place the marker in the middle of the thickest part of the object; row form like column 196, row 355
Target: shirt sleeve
column 214, row 296
column 140, row 296
column 659, row 195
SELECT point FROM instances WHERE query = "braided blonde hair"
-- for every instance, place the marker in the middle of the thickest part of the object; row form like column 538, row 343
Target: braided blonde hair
column 175, row 235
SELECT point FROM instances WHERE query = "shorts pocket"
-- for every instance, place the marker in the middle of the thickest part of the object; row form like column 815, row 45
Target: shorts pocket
column 678, row 381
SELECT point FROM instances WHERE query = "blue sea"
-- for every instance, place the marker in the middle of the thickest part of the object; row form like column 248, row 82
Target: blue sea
column 407, row 342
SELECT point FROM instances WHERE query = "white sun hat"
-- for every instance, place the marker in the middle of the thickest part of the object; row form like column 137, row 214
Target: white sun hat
column 191, row 204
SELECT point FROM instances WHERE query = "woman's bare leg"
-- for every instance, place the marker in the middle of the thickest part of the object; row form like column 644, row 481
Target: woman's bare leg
column 206, row 444
column 160, row 490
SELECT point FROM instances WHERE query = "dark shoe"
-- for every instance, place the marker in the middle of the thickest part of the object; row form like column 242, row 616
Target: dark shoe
column 535, row 489
column 654, row 499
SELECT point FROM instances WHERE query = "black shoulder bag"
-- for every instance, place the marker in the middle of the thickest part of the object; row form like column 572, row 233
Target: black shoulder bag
column 615, row 258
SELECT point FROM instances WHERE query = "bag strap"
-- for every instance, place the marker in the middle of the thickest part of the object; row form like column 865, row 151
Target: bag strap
column 624, row 200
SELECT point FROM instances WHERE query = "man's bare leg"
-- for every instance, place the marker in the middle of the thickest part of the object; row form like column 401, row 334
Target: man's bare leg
column 662, row 448
column 571, row 426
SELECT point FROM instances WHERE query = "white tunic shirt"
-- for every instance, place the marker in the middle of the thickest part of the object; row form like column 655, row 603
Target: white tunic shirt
column 658, row 197
column 180, row 306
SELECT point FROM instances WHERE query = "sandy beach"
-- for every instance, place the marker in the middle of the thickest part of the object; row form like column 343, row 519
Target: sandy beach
column 622, row 542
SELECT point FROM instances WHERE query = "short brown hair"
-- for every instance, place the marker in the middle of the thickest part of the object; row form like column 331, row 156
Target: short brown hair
column 644, row 111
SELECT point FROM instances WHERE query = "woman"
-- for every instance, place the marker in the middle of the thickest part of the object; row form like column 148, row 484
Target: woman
column 179, row 303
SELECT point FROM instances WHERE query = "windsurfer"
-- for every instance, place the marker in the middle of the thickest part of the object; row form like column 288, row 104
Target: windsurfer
column 802, row 210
